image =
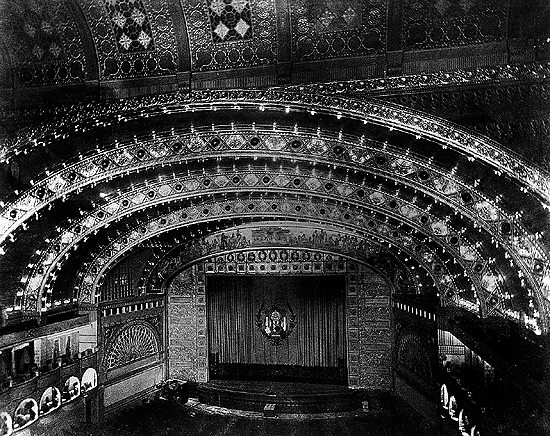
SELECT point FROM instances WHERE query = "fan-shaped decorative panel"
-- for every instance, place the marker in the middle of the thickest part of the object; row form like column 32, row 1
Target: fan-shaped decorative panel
column 413, row 355
column 132, row 343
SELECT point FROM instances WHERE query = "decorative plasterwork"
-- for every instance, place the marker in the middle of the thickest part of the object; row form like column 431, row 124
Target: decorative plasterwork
column 445, row 23
column 354, row 156
column 318, row 212
column 44, row 42
column 365, row 155
column 217, row 42
column 410, row 171
column 416, row 82
column 90, row 116
column 261, row 181
column 324, row 29
column 130, row 343
column 132, row 38
column 293, row 237
column 130, row 25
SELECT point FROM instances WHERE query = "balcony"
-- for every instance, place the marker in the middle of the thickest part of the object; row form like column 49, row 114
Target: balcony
column 25, row 402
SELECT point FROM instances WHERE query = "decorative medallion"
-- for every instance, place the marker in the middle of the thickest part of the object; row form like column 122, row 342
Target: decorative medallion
column 276, row 321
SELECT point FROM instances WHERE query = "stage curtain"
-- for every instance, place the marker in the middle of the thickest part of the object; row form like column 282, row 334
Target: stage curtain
column 317, row 302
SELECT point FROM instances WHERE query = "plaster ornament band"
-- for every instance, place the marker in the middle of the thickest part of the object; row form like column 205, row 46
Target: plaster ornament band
column 220, row 181
column 81, row 118
column 407, row 170
column 502, row 74
column 367, row 248
column 163, row 191
column 174, row 220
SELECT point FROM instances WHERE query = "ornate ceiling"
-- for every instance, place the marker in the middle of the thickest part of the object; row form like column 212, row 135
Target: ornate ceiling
column 88, row 45
column 159, row 178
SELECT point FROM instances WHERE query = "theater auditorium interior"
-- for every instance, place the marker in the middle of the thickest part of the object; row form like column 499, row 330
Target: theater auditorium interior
column 262, row 217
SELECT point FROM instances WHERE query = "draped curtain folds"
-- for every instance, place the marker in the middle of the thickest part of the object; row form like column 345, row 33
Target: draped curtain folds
column 317, row 302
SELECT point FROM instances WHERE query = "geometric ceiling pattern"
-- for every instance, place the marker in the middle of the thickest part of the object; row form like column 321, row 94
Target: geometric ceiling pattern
column 275, row 159
column 97, row 41
column 130, row 25
column 329, row 29
column 124, row 33
column 443, row 23
column 45, row 41
column 231, row 34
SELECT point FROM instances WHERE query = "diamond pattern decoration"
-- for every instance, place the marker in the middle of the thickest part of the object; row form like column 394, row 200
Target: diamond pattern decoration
column 130, row 25
column 336, row 15
column 221, row 30
column 144, row 39
column 119, row 19
column 349, row 15
column 138, row 17
column 326, row 18
column 242, row 27
column 231, row 20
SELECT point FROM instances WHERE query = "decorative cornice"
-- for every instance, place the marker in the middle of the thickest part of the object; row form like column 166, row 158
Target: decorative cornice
column 500, row 74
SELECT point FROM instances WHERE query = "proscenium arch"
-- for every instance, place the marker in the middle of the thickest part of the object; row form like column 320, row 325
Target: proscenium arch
column 377, row 301
column 449, row 183
column 376, row 198
column 167, row 191
column 478, row 201
column 296, row 208
column 251, row 101
column 183, row 256
column 487, row 208
column 203, row 259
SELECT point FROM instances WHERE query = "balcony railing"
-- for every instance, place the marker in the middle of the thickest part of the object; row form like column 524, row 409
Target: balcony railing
column 12, row 395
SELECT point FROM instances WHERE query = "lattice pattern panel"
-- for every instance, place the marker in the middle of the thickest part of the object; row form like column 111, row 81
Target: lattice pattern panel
column 130, row 25
column 230, row 21
column 132, row 343
column 123, row 34
column 413, row 355
column 446, row 23
column 231, row 33
column 337, row 28
column 370, row 335
column 188, row 352
column 276, row 261
column 44, row 41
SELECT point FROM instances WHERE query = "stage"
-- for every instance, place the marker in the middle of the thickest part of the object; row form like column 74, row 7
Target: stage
column 278, row 397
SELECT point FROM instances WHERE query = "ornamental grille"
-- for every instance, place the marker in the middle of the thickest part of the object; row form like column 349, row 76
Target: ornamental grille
column 133, row 343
